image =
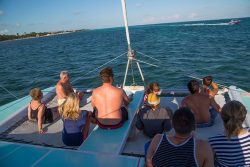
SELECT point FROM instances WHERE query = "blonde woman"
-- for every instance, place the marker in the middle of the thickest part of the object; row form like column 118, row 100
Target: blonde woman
column 232, row 147
column 36, row 109
column 75, row 122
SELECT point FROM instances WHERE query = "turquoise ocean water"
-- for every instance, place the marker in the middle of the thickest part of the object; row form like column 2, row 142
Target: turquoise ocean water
column 198, row 48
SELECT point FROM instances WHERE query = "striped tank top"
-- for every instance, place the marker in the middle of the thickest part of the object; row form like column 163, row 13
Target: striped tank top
column 172, row 155
column 233, row 152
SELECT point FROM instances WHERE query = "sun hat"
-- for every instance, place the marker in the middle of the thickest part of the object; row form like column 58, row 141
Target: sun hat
column 153, row 99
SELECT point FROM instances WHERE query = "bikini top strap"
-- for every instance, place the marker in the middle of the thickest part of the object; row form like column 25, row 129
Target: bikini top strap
column 37, row 107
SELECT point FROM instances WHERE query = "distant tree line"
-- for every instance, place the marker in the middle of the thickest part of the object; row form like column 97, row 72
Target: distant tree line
column 32, row 34
column 17, row 36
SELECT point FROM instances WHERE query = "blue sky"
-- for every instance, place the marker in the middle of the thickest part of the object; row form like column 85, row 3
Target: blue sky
column 19, row 16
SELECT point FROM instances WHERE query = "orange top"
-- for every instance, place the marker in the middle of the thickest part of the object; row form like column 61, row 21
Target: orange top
column 211, row 92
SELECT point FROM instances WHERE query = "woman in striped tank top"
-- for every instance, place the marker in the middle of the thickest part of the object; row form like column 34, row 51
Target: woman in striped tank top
column 232, row 147
column 180, row 149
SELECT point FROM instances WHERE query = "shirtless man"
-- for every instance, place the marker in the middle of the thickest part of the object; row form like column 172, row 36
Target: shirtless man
column 108, row 101
column 199, row 104
column 63, row 87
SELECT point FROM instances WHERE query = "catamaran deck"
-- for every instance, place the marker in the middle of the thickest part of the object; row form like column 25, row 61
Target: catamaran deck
column 25, row 131
column 136, row 140
column 102, row 147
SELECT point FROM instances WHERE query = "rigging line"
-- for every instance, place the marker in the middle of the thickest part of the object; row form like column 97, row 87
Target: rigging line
column 8, row 91
column 147, row 56
column 99, row 67
column 52, row 91
column 146, row 63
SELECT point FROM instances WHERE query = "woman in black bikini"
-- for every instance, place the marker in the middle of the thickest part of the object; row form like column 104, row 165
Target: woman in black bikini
column 36, row 109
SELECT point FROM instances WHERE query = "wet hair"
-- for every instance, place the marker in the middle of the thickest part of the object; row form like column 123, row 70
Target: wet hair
column 70, row 108
column 106, row 73
column 233, row 115
column 64, row 73
column 193, row 86
column 153, row 86
column 36, row 94
column 207, row 80
column 183, row 121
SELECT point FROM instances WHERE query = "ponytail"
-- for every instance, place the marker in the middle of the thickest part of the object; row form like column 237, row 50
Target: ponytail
column 233, row 115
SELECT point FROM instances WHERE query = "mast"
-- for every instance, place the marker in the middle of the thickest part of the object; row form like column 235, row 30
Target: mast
column 131, row 53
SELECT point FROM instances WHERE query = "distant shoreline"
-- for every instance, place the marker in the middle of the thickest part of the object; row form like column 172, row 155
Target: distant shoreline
column 35, row 35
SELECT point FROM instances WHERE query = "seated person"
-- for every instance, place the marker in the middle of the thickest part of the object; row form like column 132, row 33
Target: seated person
column 64, row 88
column 153, row 119
column 231, row 148
column 37, row 111
column 154, row 87
column 180, row 149
column 206, row 84
column 109, row 102
column 75, row 122
column 200, row 105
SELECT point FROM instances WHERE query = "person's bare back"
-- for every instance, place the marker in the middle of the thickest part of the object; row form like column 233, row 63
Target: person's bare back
column 108, row 100
column 63, row 89
column 199, row 103
column 63, row 86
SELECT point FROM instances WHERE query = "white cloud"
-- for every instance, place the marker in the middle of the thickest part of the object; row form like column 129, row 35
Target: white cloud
column 192, row 15
column 138, row 5
column 1, row 12
column 149, row 20
column 174, row 17
column 161, row 19
column 18, row 25
column 4, row 31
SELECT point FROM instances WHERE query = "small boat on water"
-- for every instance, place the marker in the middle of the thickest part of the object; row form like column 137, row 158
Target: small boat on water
column 21, row 145
column 233, row 22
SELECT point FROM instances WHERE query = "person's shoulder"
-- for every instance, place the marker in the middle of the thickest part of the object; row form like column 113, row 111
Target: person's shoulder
column 167, row 110
column 59, row 85
column 59, row 82
column 202, row 144
column 203, row 148
column 188, row 97
column 157, row 138
column 119, row 89
column 145, row 109
column 96, row 90
column 41, row 106
column 217, row 137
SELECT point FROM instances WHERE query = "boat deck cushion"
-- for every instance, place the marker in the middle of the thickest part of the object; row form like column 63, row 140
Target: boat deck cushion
column 21, row 155
column 112, row 141
column 77, row 158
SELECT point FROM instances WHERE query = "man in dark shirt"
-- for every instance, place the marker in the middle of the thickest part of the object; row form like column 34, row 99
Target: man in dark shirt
column 153, row 119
